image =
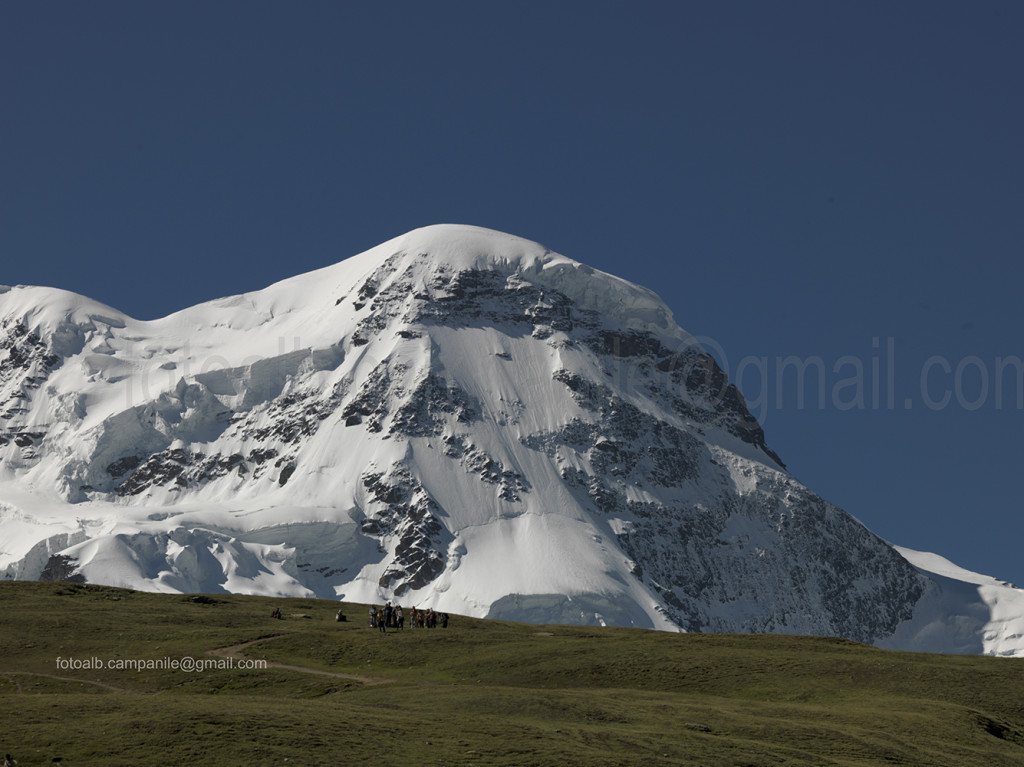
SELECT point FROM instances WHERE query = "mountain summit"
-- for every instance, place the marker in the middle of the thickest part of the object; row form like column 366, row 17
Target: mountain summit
column 456, row 418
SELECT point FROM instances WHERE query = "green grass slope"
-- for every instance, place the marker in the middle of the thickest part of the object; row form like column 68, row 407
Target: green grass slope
column 477, row 693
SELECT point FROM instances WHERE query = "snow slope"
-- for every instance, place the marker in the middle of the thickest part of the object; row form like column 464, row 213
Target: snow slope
column 961, row 612
column 457, row 418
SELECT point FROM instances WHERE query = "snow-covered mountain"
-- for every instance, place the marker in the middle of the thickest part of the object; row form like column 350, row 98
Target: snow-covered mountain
column 457, row 418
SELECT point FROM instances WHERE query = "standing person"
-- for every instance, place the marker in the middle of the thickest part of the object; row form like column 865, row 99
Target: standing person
column 399, row 617
column 382, row 624
column 373, row 616
column 444, row 620
column 413, row 615
column 389, row 614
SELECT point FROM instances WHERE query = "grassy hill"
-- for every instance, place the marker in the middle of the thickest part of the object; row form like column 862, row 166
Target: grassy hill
column 477, row 693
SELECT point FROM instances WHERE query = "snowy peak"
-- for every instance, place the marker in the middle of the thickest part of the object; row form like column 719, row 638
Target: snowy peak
column 431, row 262
column 456, row 418
column 462, row 248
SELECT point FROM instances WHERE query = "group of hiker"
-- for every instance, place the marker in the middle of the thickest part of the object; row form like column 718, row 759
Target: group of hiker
column 394, row 617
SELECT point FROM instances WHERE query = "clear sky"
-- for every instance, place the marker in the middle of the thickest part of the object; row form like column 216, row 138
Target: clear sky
column 824, row 192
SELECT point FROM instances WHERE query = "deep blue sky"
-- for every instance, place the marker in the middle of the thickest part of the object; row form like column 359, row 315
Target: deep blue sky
column 809, row 179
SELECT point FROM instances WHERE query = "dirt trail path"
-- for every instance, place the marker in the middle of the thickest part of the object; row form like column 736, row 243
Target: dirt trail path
column 234, row 651
column 79, row 680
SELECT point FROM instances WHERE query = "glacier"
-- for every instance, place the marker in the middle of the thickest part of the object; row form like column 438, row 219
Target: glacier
column 457, row 418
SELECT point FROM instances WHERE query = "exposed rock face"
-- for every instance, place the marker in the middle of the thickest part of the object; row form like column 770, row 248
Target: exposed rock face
column 456, row 418
column 26, row 362
column 406, row 514
column 61, row 567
